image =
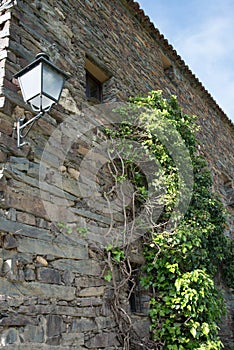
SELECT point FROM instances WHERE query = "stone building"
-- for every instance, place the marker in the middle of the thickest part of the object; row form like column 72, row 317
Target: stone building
column 52, row 291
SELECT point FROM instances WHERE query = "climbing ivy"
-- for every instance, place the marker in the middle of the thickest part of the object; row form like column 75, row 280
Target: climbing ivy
column 180, row 263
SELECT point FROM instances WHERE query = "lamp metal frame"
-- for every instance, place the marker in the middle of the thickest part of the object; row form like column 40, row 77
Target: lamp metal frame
column 20, row 125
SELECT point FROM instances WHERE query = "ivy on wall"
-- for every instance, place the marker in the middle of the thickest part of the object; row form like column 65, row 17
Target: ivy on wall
column 182, row 259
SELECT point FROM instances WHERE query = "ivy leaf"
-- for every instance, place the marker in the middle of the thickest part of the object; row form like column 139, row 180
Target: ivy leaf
column 108, row 276
column 205, row 329
column 193, row 331
column 178, row 284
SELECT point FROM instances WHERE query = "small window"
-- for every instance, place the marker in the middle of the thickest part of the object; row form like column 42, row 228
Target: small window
column 170, row 70
column 135, row 299
column 166, row 63
column 96, row 76
column 93, row 87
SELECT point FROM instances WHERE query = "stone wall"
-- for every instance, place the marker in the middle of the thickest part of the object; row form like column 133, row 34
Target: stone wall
column 52, row 290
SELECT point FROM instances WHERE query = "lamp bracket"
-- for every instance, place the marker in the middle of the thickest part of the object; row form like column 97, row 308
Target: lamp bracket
column 21, row 125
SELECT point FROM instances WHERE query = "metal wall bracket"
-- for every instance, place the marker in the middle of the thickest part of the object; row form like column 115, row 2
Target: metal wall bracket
column 21, row 125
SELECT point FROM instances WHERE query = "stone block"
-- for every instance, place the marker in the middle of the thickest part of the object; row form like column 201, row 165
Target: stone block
column 54, row 342
column 50, row 189
column 73, row 173
column 3, row 185
column 62, row 169
column 23, row 230
column 92, row 216
column 141, row 325
column 1, row 265
column 54, row 325
column 29, row 274
column 11, row 214
column 83, row 267
column 90, row 301
column 20, row 163
column 103, row 340
column 41, row 261
column 46, row 309
column 26, row 218
column 83, row 325
column 10, row 143
column 70, row 186
column 16, row 320
column 20, row 200
column 5, row 127
column 106, row 309
column 48, row 275
column 92, row 291
column 38, row 346
column 10, row 336
column 33, row 170
column 89, row 282
column 36, row 246
column 105, row 322
column 9, row 269
column 73, row 339
column 68, row 277
column 34, row 334
column 9, row 242
column 27, row 289
column 3, row 157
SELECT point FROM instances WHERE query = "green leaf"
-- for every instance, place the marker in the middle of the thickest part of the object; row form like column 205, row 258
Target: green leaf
column 205, row 329
column 108, row 276
column 193, row 331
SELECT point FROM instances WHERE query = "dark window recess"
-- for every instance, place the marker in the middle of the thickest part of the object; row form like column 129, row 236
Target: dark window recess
column 135, row 299
column 170, row 72
column 93, row 87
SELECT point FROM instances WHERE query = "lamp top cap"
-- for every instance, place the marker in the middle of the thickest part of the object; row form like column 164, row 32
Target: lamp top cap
column 40, row 58
column 43, row 55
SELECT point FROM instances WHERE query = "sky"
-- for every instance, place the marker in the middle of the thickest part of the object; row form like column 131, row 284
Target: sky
column 202, row 33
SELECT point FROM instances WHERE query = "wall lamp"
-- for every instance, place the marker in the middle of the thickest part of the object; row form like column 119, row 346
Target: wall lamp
column 41, row 83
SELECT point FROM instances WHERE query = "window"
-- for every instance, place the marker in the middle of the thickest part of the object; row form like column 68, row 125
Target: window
column 136, row 297
column 139, row 298
column 96, row 76
column 170, row 71
column 167, row 67
column 166, row 63
column 93, row 87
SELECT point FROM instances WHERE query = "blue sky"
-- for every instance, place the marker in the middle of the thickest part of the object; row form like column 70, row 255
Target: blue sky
column 202, row 33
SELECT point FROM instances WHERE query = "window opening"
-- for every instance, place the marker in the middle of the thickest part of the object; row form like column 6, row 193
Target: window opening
column 96, row 76
column 93, row 87
column 135, row 299
column 166, row 63
column 167, row 67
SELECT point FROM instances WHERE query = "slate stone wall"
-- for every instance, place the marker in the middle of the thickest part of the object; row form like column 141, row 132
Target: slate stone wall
column 52, row 290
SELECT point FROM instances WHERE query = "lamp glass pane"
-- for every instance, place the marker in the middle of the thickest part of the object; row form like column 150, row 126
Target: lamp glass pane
column 53, row 82
column 30, row 83
column 41, row 103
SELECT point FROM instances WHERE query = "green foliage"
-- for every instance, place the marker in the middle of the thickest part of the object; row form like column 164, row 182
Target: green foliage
column 82, row 230
column 180, row 265
column 68, row 229
column 117, row 254
column 64, row 227
column 108, row 276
